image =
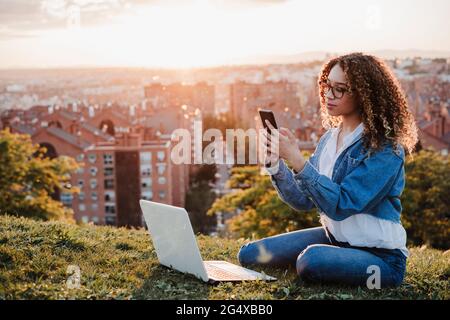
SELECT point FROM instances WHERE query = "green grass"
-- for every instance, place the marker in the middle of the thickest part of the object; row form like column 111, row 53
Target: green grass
column 122, row 264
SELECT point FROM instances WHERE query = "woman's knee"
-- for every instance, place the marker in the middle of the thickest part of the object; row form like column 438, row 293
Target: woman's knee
column 253, row 253
column 307, row 263
column 245, row 255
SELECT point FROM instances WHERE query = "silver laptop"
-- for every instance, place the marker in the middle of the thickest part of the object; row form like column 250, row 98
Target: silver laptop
column 176, row 246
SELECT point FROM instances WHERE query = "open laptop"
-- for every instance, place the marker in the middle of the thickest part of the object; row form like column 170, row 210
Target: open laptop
column 176, row 246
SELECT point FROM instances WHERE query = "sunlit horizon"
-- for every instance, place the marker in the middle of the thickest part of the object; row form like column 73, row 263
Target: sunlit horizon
column 213, row 33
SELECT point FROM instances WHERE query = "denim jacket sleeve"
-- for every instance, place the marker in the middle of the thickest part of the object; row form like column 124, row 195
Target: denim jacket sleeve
column 288, row 189
column 359, row 191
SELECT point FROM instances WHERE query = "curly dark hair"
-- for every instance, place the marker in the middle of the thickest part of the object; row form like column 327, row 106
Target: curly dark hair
column 380, row 100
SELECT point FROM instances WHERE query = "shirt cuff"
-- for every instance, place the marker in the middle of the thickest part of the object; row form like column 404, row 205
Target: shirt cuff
column 273, row 169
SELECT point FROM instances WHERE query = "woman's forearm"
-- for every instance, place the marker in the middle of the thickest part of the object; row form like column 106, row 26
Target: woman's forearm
column 288, row 190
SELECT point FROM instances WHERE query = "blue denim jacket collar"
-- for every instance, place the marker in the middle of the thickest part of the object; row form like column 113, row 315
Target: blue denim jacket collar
column 314, row 159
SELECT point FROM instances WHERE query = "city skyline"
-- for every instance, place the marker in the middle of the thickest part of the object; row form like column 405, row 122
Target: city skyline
column 182, row 34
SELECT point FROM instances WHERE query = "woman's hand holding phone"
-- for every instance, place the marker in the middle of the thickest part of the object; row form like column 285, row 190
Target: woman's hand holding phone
column 269, row 143
column 283, row 144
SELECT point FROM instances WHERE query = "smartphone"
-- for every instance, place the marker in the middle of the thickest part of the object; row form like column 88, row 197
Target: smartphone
column 268, row 115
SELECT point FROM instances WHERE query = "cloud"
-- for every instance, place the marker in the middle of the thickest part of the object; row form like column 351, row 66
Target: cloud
column 21, row 16
column 26, row 18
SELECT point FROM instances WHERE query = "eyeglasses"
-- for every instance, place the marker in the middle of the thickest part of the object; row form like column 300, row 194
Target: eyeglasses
column 338, row 92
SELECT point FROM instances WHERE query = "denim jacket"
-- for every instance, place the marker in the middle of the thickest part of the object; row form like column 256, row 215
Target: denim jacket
column 360, row 183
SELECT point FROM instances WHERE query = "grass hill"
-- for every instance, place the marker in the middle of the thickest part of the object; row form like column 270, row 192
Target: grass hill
column 118, row 263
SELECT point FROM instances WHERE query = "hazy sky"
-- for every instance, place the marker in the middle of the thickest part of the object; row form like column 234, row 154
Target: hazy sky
column 177, row 33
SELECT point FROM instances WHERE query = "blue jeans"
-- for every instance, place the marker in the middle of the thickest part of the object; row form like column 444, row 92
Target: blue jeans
column 319, row 258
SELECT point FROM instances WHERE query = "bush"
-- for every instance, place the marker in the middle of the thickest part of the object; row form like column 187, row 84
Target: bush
column 28, row 178
column 426, row 199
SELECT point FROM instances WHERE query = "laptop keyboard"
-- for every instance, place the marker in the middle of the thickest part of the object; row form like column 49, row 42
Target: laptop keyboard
column 219, row 273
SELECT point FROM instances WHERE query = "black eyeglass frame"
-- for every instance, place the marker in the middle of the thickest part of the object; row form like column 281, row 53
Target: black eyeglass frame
column 326, row 87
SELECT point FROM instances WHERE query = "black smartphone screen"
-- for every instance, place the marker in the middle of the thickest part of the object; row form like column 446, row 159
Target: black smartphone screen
column 268, row 115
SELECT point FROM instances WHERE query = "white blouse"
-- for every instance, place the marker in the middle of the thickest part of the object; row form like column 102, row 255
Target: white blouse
column 361, row 230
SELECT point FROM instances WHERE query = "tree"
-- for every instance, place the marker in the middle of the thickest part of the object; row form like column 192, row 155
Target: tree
column 222, row 122
column 426, row 199
column 28, row 178
column 200, row 197
column 225, row 121
column 203, row 173
column 257, row 209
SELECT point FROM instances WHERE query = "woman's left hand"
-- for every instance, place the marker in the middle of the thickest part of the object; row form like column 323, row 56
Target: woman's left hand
column 288, row 149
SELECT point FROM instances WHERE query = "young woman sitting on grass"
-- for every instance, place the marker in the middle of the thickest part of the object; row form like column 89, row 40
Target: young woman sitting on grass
column 354, row 178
